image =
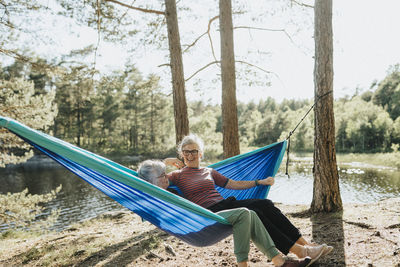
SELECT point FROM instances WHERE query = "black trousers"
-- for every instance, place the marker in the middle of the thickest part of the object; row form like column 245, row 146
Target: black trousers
column 282, row 231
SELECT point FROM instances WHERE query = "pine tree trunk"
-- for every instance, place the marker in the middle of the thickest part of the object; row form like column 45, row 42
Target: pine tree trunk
column 152, row 133
column 178, row 80
column 229, row 106
column 326, row 194
column 78, row 125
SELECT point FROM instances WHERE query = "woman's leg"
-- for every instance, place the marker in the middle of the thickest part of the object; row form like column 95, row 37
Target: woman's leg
column 246, row 226
column 261, row 237
column 283, row 232
column 240, row 221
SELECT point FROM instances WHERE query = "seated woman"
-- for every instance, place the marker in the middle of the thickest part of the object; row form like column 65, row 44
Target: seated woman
column 197, row 184
column 246, row 224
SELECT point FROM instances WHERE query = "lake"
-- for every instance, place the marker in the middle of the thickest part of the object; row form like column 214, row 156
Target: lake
column 78, row 201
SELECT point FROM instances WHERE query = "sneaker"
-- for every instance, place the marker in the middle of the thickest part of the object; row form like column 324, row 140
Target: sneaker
column 327, row 250
column 297, row 263
column 315, row 252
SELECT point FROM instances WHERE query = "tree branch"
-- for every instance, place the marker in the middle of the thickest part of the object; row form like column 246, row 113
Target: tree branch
column 209, row 38
column 15, row 55
column 238, row 61
column 137, row 8
column 195, row 41
column 164, row 65
column 26, row 59
column 201, row 69
column 254, row 66
column 266, row 29
column 98, row 35
column 301, row 4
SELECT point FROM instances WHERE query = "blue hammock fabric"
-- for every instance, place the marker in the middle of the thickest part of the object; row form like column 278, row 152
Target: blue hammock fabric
column 175, row 215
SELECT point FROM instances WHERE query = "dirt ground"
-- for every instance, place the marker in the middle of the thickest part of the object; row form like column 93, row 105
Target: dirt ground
column 362, row 235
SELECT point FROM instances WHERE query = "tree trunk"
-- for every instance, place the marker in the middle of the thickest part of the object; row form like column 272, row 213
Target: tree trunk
column 178, row 80
column 326, row 193
column 152, row 133
column 229, row 107
column 78, row 124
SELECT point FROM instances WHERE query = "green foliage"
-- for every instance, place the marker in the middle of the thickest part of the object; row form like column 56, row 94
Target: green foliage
column 124, row 113
column 21, row 210
column 74, row 87
column 388, row 93
column 396, row 131
column 19, row 101
column 117, row 113
column 204, row 121
column 362, row 126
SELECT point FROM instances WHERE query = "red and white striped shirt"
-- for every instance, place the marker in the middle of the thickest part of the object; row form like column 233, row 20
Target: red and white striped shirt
column 198, row 184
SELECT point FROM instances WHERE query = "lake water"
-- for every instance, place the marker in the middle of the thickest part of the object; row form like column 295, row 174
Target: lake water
column 79, row 201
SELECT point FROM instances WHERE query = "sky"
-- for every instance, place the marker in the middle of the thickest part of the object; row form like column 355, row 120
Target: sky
column 366, row 44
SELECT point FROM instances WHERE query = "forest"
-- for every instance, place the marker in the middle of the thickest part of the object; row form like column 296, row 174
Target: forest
column 124, row 113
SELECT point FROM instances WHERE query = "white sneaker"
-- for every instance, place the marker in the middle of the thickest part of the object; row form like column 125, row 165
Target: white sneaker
column 315, row 252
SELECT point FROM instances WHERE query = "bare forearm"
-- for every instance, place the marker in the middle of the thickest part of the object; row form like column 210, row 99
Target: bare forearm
column 240, row 184
column 232, row 184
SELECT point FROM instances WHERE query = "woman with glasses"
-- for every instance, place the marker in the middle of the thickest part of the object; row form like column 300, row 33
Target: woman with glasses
column 246, row 224
column 197, row 184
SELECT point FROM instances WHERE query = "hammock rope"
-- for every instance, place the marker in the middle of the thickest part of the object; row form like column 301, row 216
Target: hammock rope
column 295, row 128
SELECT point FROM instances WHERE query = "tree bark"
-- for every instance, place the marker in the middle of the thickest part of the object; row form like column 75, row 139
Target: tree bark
column 229, row 106
column 178, row 80
column 326, row 193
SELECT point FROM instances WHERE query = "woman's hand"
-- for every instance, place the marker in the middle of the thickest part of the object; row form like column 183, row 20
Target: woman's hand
column 174, row 162
column 267, row 181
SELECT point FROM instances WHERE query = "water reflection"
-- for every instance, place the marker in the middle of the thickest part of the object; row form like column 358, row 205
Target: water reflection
column 357, row 185
column 78, row 200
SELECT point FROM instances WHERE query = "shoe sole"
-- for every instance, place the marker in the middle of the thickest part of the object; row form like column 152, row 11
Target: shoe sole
column 316, row 258
column 327, row 250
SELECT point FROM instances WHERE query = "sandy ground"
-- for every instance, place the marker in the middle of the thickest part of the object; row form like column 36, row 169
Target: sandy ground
column 362, row 235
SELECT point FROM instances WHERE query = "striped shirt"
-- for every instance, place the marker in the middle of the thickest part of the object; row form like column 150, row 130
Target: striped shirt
column 198, row 184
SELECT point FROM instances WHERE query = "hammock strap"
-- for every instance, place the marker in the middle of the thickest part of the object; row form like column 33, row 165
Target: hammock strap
column 295, row 128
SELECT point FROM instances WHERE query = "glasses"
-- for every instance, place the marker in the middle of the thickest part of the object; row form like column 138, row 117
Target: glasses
column 190, row 152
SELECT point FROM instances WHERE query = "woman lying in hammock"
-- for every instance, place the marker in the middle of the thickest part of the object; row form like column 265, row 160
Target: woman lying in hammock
column 246, row 224
column 198, row 185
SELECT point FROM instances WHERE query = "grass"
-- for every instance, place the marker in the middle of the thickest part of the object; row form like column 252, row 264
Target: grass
column 380, row 159
column 391, row 160
column 18, row 234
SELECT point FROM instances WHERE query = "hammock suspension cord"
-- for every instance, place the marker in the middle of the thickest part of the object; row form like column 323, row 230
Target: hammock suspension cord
column 295, row 128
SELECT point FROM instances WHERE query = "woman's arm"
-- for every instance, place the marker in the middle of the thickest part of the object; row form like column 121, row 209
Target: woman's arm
column 232, row 184
column 174, row 162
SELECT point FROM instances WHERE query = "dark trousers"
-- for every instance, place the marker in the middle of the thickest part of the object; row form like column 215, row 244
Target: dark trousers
column 282, row 231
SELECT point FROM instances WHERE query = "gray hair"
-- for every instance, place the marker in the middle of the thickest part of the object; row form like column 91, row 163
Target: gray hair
column 189, row 140
column 149, row 170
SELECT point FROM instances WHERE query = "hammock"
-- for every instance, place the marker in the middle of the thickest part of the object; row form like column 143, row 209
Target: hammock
column 173, row 214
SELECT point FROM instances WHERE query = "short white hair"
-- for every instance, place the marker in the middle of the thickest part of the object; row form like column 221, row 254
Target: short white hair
column 149, row 170
column 189, row 140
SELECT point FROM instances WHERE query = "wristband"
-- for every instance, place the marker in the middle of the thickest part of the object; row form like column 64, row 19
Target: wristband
column 256, row 182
